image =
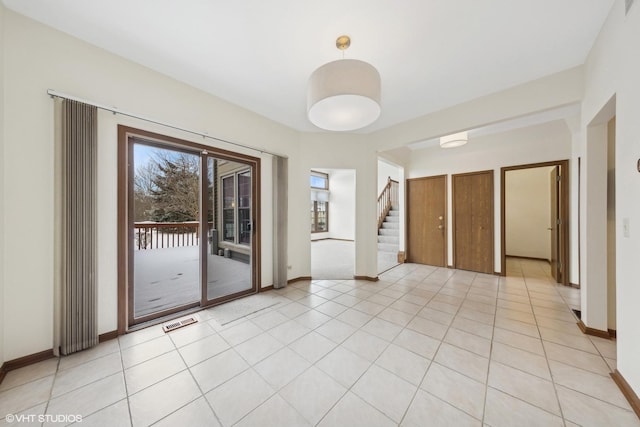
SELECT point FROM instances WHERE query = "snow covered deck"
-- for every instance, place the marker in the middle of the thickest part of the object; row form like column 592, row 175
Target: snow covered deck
column 170, row 277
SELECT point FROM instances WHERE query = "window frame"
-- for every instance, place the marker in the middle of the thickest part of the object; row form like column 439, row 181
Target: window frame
column 237, row 229
column 315, row 212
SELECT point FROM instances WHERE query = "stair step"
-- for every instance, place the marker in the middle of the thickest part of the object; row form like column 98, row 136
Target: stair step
column 392, row 219
column 388, row 232
column 394, row 225
column 393, row 213
column 387, row 247
column 388, row 239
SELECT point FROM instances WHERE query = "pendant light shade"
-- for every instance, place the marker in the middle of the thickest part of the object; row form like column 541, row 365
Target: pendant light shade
column 344, row 95
column 454, row 140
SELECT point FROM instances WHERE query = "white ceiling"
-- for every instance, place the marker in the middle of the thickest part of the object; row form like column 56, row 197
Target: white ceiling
column 431, row 54
column 571, row 111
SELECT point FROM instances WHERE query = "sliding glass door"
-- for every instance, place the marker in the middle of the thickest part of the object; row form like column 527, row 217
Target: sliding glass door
column 190, row 228
column 165, row 229
column 229, row 233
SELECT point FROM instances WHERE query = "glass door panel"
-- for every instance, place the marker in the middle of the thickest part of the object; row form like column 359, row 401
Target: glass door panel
column 165, row 231
column 229, row 228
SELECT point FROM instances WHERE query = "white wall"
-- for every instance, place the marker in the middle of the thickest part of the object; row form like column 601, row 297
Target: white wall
column 528, row 213
column 385, row 171
column 612, row 68
column 611, row 225
column 38, row 58
column 3, row 301
column 342, row 204
column 541, row 143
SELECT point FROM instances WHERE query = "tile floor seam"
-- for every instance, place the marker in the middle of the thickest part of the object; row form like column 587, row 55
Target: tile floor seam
column 202, row 394
column 484, row 404
column 404, row 283
column 435, row 353
column 48, row 402
column 546, row 356
column 348, row 389
column 171, row 376
column 597, row 398
column 327, row 411
column 52, row 397
column 374, row 362
column 124, row 380
column 600, row 352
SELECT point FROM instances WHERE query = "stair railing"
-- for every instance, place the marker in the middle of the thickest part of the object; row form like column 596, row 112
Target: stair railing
column 387, row 199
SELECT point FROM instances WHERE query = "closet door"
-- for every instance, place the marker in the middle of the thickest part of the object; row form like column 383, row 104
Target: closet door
column 426, row 220
column 473, row 221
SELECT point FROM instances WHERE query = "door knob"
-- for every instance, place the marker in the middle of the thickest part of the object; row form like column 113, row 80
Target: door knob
column 440, row 227
column 440, row 217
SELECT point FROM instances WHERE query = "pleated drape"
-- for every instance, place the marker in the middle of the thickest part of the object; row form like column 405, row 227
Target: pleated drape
column 280, row 218
column 78, row 299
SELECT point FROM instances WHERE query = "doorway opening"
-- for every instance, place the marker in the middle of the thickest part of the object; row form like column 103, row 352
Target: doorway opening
column 391, row 224
column 535, row 215
column 332, row 223
column 188, row 226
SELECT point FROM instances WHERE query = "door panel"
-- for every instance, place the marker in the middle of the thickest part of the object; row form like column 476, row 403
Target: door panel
column 228, row 229
column 426, row 220
column 165, row 269
column 473, row 221
column 554, row 218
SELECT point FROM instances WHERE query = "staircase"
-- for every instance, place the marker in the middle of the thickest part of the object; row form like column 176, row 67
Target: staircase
column 388, row 226
column 388, row 240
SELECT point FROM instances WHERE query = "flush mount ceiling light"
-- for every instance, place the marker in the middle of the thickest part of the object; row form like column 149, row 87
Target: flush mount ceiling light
column 454, row 140
column 344, row 95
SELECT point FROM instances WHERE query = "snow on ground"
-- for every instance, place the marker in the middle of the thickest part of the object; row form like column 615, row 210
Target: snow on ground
column 170, row 277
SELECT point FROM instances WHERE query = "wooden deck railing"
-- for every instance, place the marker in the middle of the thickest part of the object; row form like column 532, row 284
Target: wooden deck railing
column 387, row 199
column 155, row 235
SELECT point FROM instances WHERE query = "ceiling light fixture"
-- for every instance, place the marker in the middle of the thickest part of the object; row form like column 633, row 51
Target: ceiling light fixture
column 454, row 140
column 344, row 95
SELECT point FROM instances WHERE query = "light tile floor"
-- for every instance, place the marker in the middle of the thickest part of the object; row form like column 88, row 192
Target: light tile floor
column 423, row 346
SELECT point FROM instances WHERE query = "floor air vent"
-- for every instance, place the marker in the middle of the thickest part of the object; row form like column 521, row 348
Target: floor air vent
column 176, row 324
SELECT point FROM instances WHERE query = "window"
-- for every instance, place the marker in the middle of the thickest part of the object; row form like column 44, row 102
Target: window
column 319, row 183
column 319, row 180
column 236, row 208
column 244, row 208
column 319, row 217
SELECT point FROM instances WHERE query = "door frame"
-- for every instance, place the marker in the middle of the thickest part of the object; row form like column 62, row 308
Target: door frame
column 491, row 173
column 445, row 257
column 563, row 196
column 124, row 182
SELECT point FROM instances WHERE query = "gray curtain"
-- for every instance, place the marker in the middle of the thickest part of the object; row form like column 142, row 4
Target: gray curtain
column 280, row 207
column 78, row 298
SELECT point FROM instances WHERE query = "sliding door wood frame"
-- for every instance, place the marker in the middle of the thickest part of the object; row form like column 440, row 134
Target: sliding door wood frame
column 124, row 182
column 564, row 217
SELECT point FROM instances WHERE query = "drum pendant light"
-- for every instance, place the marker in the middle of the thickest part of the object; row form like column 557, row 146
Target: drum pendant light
column 344, row 95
